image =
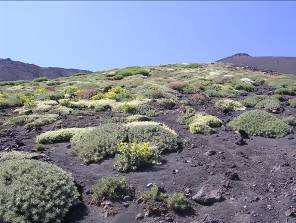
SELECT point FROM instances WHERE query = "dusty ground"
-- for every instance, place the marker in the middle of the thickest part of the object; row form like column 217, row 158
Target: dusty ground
column 257, row 180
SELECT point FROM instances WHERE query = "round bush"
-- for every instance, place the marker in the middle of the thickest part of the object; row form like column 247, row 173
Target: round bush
column 158, row 135
column 260, row 123
column 33, row 191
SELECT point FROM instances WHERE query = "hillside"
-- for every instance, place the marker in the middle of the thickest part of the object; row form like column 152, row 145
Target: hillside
column 15, row 70
column 182, row 143
column 277, row 64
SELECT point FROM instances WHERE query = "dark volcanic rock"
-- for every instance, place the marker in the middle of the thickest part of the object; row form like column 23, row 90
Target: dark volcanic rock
column 15, row 70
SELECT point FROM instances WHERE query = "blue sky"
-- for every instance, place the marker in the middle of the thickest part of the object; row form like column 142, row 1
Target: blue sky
column 98, row 35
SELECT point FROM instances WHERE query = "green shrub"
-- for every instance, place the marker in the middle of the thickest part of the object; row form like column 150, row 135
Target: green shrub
column 117, row 93
column 134, row 156
column 110, row 188
column 251, row 101
column 219, row 90
column 10, row 101
column 130, row 71
column 153, row 195
column 204, row 124
column 34, row 120
column 270, row 105
column 260, row 123
column 188, row 65
column 61, row 135
column 32, row 191
column 292, row 102
column 245, row 86
column 177, row 202
column 17, row 155
column 286, row 90
column 158, row 135
column 56, row 96
column 40, row 79
column 228, row 105
column 99, row 142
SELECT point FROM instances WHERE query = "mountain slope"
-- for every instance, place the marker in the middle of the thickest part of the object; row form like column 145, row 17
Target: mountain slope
column 278, row 64
column 15, row 70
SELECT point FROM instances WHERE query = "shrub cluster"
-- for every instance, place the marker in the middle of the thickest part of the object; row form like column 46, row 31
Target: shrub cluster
column 260, row 123
column 100, row 142
column 244, row 85
column 32, row 191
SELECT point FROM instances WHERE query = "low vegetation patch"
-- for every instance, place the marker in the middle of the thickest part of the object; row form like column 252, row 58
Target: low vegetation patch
column 228, row 105
column 34, row 121
column 130, row 71
column 110, row 188
column 160, row 136
column 156, row 201
column 260, row 123
column 99, row 142
column 292, row 102
column 204, row 124
column 61, row 135
column 26, row 184
column 134, row 156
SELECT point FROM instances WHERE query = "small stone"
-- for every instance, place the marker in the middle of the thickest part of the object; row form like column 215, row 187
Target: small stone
column 291, row 212
column 139, row 216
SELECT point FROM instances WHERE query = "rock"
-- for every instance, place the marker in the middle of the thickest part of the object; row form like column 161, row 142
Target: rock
column 210, row 153
column 232, row 175
column 139, row 216
column 208, row 196
column 291, row 212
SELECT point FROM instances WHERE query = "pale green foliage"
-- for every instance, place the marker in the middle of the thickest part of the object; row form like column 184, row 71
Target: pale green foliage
column 160, row 136
column 228, row 105
column 292, row 102
column 131, row 157
column 34, row 120
column 204, row 124
column 99, row 142
column 61, row 135
column 110, row 188
column 260, row 123
column 17, row 155
column 32, row 191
